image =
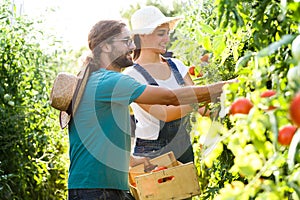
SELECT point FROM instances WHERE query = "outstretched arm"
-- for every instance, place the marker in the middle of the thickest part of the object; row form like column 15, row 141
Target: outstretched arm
column 181, row 96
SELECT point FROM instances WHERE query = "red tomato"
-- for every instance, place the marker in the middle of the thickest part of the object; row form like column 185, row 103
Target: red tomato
column 294, row 110
column 205, row 57
column 241, row 105
column 159, row 168
column 192, row 70
column 267, row 93
column 286, row 134
column 200, row 74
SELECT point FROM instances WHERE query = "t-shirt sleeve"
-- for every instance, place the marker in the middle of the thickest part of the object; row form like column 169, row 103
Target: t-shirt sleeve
column 132, row 72
column 119, row 88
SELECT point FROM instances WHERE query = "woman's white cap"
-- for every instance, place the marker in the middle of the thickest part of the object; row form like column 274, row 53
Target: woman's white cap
column 148, row 18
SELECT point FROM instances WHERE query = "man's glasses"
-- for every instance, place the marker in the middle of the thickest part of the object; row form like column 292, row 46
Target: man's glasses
column 127, row 41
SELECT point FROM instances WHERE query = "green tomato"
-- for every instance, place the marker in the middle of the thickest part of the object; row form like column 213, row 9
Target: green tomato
column 297, row 156
column 7, row 97
column 293, row 77
column 296, row 48
column 11, row 103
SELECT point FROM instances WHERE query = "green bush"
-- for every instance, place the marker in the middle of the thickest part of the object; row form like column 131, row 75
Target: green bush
column 32, row 148
column 239, row 157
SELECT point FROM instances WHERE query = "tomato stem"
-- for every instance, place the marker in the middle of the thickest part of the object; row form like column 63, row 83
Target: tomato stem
column 274, row 127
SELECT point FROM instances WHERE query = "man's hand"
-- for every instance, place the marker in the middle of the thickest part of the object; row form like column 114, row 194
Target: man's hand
column 137, row 160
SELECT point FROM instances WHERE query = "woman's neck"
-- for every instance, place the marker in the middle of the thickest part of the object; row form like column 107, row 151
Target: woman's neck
column 149, row 57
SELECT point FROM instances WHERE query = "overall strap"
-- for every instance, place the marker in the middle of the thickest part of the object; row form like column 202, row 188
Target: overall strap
column 145, row 74
column 151, row 80
column 176, row 72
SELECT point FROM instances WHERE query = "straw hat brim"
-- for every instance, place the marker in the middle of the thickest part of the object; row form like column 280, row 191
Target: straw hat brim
column 65, row 117
column 172, row 21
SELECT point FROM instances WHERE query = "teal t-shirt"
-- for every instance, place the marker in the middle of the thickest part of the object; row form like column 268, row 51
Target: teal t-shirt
column 99, row 133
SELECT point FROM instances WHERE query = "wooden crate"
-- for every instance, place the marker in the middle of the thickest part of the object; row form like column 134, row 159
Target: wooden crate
column 179, row 181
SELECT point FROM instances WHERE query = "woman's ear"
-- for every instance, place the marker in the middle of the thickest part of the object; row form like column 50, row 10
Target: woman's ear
column 141, row 39
column 142, row 35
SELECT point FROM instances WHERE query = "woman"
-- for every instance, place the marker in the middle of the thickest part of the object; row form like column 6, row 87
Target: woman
column 159, row 128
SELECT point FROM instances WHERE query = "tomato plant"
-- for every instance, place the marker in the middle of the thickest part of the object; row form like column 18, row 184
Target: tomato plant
column 33, row 158
column 239, row 157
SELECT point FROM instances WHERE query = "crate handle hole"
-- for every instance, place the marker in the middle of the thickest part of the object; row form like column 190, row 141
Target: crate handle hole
column 166, row 179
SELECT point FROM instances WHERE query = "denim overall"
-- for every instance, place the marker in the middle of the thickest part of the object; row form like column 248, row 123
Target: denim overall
column 173, row 135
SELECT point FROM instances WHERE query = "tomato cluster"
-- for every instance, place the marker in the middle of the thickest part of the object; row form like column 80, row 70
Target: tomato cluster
column 192, row 71
column 243, row 106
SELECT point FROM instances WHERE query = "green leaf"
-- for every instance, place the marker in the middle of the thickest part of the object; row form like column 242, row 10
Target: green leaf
column 269, row 50
column 207, row 29
column 219, row 44
column 243, row 60
column 206, row 43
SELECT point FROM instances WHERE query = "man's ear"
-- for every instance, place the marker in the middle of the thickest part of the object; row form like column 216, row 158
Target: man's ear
column 106, row 48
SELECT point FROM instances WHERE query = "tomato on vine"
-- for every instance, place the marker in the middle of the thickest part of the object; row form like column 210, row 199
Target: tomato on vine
column 294, row 110
column 241, row 106
column 286, row 134
column 192, row 70
column 205, row 58
column 267, row 93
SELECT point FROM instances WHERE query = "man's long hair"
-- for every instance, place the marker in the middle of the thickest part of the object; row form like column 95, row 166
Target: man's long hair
column 102, row 32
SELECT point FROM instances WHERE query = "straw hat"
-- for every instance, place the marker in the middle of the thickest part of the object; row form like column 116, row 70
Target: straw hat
column 63, row 90
column 148, row 18
column 66, row 93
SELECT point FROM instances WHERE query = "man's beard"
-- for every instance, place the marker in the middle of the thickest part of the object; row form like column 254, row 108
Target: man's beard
column 121, row 61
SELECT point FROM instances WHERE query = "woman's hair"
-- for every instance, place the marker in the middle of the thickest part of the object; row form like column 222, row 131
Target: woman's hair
column 137, row 50
column 101, row 32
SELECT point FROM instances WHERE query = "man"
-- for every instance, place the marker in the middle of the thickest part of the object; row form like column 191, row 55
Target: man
column 99, row 132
